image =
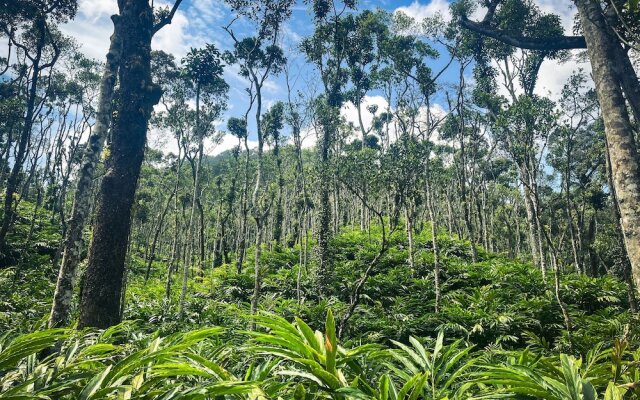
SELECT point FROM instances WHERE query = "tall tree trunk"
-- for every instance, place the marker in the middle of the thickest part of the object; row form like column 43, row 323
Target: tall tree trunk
column 534, row 233
column 259, row 214
column 201, row 252
column 242, row 231
column 175, row 251
column 572, row 231
column 324, row 268
column 279, row 215
column 408, row 213
column 601, row 46
column 72, row 243
column 195, row 166
column 434, row 244
column 100, row 303
column 625, row 262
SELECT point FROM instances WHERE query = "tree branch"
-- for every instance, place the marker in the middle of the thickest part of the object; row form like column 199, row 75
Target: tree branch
column 523, row 42
column 166, row 20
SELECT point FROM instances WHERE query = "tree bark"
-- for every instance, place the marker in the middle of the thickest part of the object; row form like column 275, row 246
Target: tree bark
column 436, row 250
column 552, row 43
column 324, row 267
column 242, row 231
column 72, row 244
column 100, row 303
column 625, row 171
column 259, row 214
column 195, row 167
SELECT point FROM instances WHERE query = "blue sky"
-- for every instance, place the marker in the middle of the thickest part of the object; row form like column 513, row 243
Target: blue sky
column 200, row 21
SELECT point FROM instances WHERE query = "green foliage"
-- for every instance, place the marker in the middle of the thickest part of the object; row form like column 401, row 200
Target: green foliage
column 610, row 373
column 290, row 360
column 94, row 365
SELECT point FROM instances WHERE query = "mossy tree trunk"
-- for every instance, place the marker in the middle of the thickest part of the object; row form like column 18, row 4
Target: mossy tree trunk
column 103, row 285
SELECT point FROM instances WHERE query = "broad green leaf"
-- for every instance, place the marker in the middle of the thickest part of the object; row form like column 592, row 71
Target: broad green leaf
column 94, row 384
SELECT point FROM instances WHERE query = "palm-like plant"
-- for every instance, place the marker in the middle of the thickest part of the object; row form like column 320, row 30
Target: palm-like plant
column 562, row 377
column 89, row 366
column 313, row 357
column 296, row 362
column 444, row 366
column 541, row 379
column 324, row 368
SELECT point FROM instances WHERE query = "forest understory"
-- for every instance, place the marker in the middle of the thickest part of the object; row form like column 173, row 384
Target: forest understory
column 499, row 322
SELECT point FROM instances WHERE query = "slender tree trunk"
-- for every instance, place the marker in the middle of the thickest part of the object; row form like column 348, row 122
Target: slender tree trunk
column 201, row 238
column 25, row 136
column 324, row 269
column 409, row 217
column 242, row 231
column 175, row 252
column 534, row 234
column 593, row 255
column 100, row 303
column 257, row 270
column 174, row 263
column 572, row 232
column 434, row 244
column 259, row 214
column 156, row 235
column 190, row 229
column 279, row 215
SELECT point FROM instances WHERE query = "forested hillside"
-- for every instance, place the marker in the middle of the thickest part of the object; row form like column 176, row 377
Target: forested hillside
column 320, row 199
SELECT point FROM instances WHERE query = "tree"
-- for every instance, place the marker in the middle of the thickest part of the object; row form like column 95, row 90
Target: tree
column 616, row 84
column 29, row 26
column 72, row 243
column 576, row 151
column 102, row 292
column 273, row 122
column 327, row 50
column 202, row 72
column 259, row 57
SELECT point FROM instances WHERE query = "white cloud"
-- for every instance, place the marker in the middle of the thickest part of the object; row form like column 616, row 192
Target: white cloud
column 272, row 87
column 173, row 38
column 226, row 142
column 92, row 26
column 291, row 37
column 92, row 37
column 161, row 139
column 564, row 9
column 350, row 112
column 554, row 75
column 95, row 9
column 165, row 141
column 309, row 138
column 92, row 29
column 420, row 11
column 205, row 13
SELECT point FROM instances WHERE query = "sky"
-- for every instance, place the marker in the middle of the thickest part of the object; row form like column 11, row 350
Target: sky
column 199, row 22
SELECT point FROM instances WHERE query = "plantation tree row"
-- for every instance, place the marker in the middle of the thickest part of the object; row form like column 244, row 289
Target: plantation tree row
column 464, row 145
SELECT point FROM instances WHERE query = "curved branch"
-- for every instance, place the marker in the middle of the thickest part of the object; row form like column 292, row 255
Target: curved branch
column 166, row 20
column 523, row 42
